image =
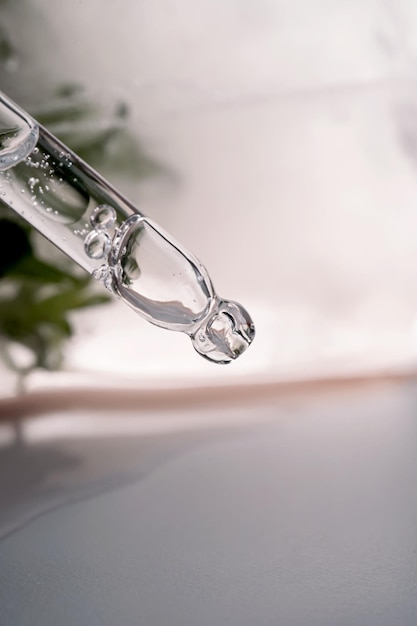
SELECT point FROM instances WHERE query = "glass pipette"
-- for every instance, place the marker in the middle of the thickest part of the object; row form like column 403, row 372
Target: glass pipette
column 83, row 215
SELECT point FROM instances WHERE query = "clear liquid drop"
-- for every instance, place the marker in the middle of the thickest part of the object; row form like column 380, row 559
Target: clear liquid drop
column 225, row 334
column 97, row 245
column 103, row 217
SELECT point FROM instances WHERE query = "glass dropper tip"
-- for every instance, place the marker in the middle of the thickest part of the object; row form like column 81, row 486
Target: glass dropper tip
column 79, row 211
column 225, row 334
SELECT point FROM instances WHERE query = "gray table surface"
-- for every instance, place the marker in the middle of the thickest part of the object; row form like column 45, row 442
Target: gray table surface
column 298, row 516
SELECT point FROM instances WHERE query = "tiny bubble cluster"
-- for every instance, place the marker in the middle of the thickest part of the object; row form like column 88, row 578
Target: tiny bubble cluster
column 98, row 242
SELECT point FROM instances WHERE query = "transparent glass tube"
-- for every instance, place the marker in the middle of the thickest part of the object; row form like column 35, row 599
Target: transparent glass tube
column 83, row 215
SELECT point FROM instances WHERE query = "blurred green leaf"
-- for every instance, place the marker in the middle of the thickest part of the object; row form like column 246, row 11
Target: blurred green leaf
column 15, row 245
column 7, row 49
column 40, row 322
column 40, row 272
column 99, row 136
column 35, row 311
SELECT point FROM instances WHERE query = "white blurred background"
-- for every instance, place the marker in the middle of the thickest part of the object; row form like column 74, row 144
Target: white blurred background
column 291, row 128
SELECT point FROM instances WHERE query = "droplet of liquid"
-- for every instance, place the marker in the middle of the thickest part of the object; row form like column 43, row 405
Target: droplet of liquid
column 103, row 217
column 225, row 334
column 97, row 245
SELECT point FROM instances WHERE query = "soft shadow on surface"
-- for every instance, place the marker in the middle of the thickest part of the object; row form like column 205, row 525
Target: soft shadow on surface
column 38, row 477
column 308, row 518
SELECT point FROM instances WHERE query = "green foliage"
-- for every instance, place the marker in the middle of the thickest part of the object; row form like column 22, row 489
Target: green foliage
column 36, row 299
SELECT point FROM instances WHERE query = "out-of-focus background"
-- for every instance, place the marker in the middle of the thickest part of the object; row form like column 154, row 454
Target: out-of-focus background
column 286, row 133
column 140, row 484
